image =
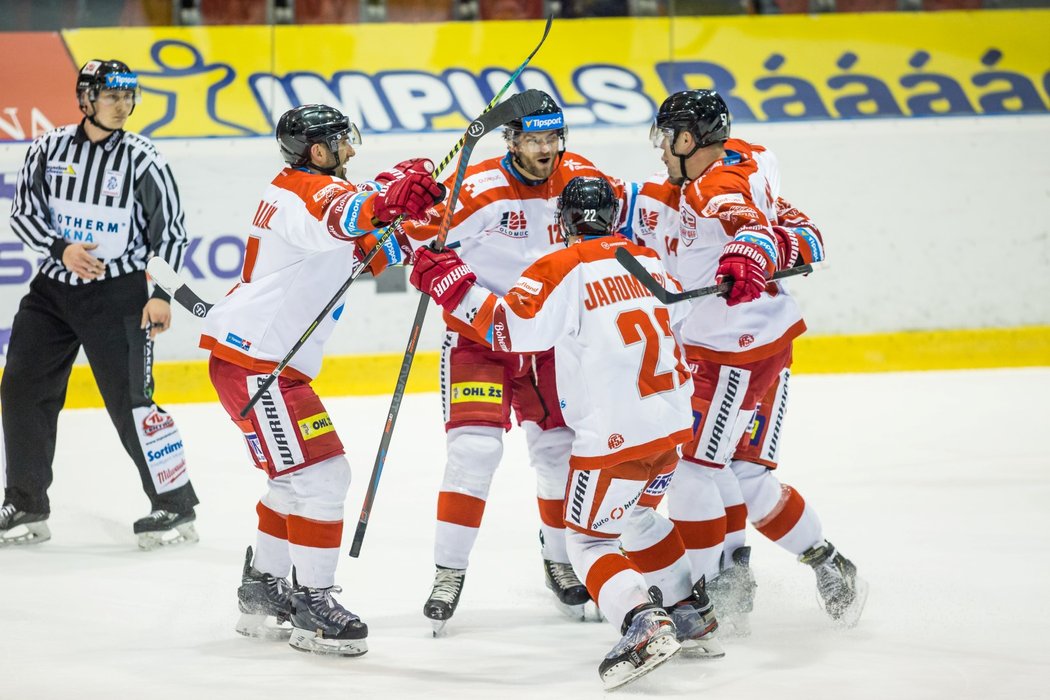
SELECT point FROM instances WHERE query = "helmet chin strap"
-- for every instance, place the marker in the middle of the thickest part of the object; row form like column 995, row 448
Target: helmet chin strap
column 683, row 158
column 325, row 171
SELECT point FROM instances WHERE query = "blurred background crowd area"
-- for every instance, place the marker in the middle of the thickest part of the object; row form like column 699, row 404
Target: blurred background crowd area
column 50, row 15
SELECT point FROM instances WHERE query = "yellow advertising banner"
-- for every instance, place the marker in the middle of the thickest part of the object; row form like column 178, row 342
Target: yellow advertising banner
column 229, row 81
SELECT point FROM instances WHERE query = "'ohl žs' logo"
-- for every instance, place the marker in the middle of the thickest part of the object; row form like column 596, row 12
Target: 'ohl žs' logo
column 513, row 224
column 615, row 440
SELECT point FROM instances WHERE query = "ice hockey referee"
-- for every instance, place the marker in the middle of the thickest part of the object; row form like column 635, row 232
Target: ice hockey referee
column 96, row 202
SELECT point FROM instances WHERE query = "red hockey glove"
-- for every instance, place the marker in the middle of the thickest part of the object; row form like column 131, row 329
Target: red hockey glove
column 744, row 265
column 442, row 275
column 421, row 166
column 411, row 195
column 787, row 247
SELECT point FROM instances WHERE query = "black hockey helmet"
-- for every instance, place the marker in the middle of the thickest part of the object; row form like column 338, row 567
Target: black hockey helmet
column 703, row 113
column 548, row 117
column 97, row 75
column 587, row 207
column 303, row 126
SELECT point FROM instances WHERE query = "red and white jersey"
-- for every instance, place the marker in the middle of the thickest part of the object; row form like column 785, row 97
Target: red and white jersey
column 738, row 197
column 654, row 217
column 299, row 252
column 504, row 223
column 622, row 384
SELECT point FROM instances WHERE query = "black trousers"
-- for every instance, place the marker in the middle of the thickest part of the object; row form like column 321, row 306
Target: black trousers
column 53, row 321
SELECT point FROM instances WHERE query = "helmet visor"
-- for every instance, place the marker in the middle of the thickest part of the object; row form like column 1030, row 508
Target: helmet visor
column 658, row 135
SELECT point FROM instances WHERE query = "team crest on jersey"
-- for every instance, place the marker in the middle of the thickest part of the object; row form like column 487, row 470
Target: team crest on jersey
column 513, row 225
column 112, row 183
column 648, row 220
column 688, row 228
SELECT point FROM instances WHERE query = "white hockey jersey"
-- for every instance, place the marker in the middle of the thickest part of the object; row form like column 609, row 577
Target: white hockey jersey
column 299, row 252
column 737, row 197
column 623, row 387
column 503, row 223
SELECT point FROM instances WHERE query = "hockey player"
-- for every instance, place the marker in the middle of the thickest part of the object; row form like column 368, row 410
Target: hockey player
column 625, row 393
column 732, row 221
column 95, row 202
column 311, row 229
column 504, row 221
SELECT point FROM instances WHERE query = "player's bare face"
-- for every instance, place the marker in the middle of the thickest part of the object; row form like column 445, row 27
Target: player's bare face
column 335, row 160
column 113, row 107
column 537, row 153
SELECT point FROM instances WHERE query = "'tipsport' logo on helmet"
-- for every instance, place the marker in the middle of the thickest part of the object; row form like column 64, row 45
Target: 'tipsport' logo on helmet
column 121, row 81
column 545, row 122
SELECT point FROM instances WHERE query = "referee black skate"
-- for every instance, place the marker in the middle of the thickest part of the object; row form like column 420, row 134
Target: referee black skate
column 96, row 202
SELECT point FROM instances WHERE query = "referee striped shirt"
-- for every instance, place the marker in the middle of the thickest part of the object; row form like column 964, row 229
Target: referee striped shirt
column 118, row 193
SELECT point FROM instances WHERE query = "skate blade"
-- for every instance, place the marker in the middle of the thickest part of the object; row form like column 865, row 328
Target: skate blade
column 702, row 649
column 661, row 650
column 182, row 534
column 305, row 640
column 576, row 613
column 263, row 627
column 592, row 613
column 28, row 533
column 851, row 615
column 439, row 627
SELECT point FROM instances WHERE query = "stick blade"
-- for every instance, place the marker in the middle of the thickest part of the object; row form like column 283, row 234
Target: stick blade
column 161, row 272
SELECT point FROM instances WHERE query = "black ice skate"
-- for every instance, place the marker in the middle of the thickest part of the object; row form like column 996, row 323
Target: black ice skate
column 19, row 527
column 733, row 594
column 265, row 604
column 322, row 626
column 694, row 620
column 571, row 596
column 163, row 528
column 841, row 593
column 444, row 597
column 648, row 641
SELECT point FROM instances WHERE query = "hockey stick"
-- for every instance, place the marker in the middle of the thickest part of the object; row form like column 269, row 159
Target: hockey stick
column 264, row 385
column 631, row 264
column 518, row 106
column 167, row 279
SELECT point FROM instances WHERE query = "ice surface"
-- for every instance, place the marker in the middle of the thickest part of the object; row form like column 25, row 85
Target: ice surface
column 937, row 485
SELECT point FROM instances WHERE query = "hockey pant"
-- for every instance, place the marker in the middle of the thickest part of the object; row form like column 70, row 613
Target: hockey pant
column 705, row 502
column 776, row 510
column 601, row 516
column 53, row 322
column 481, row 388
column 291, row 437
